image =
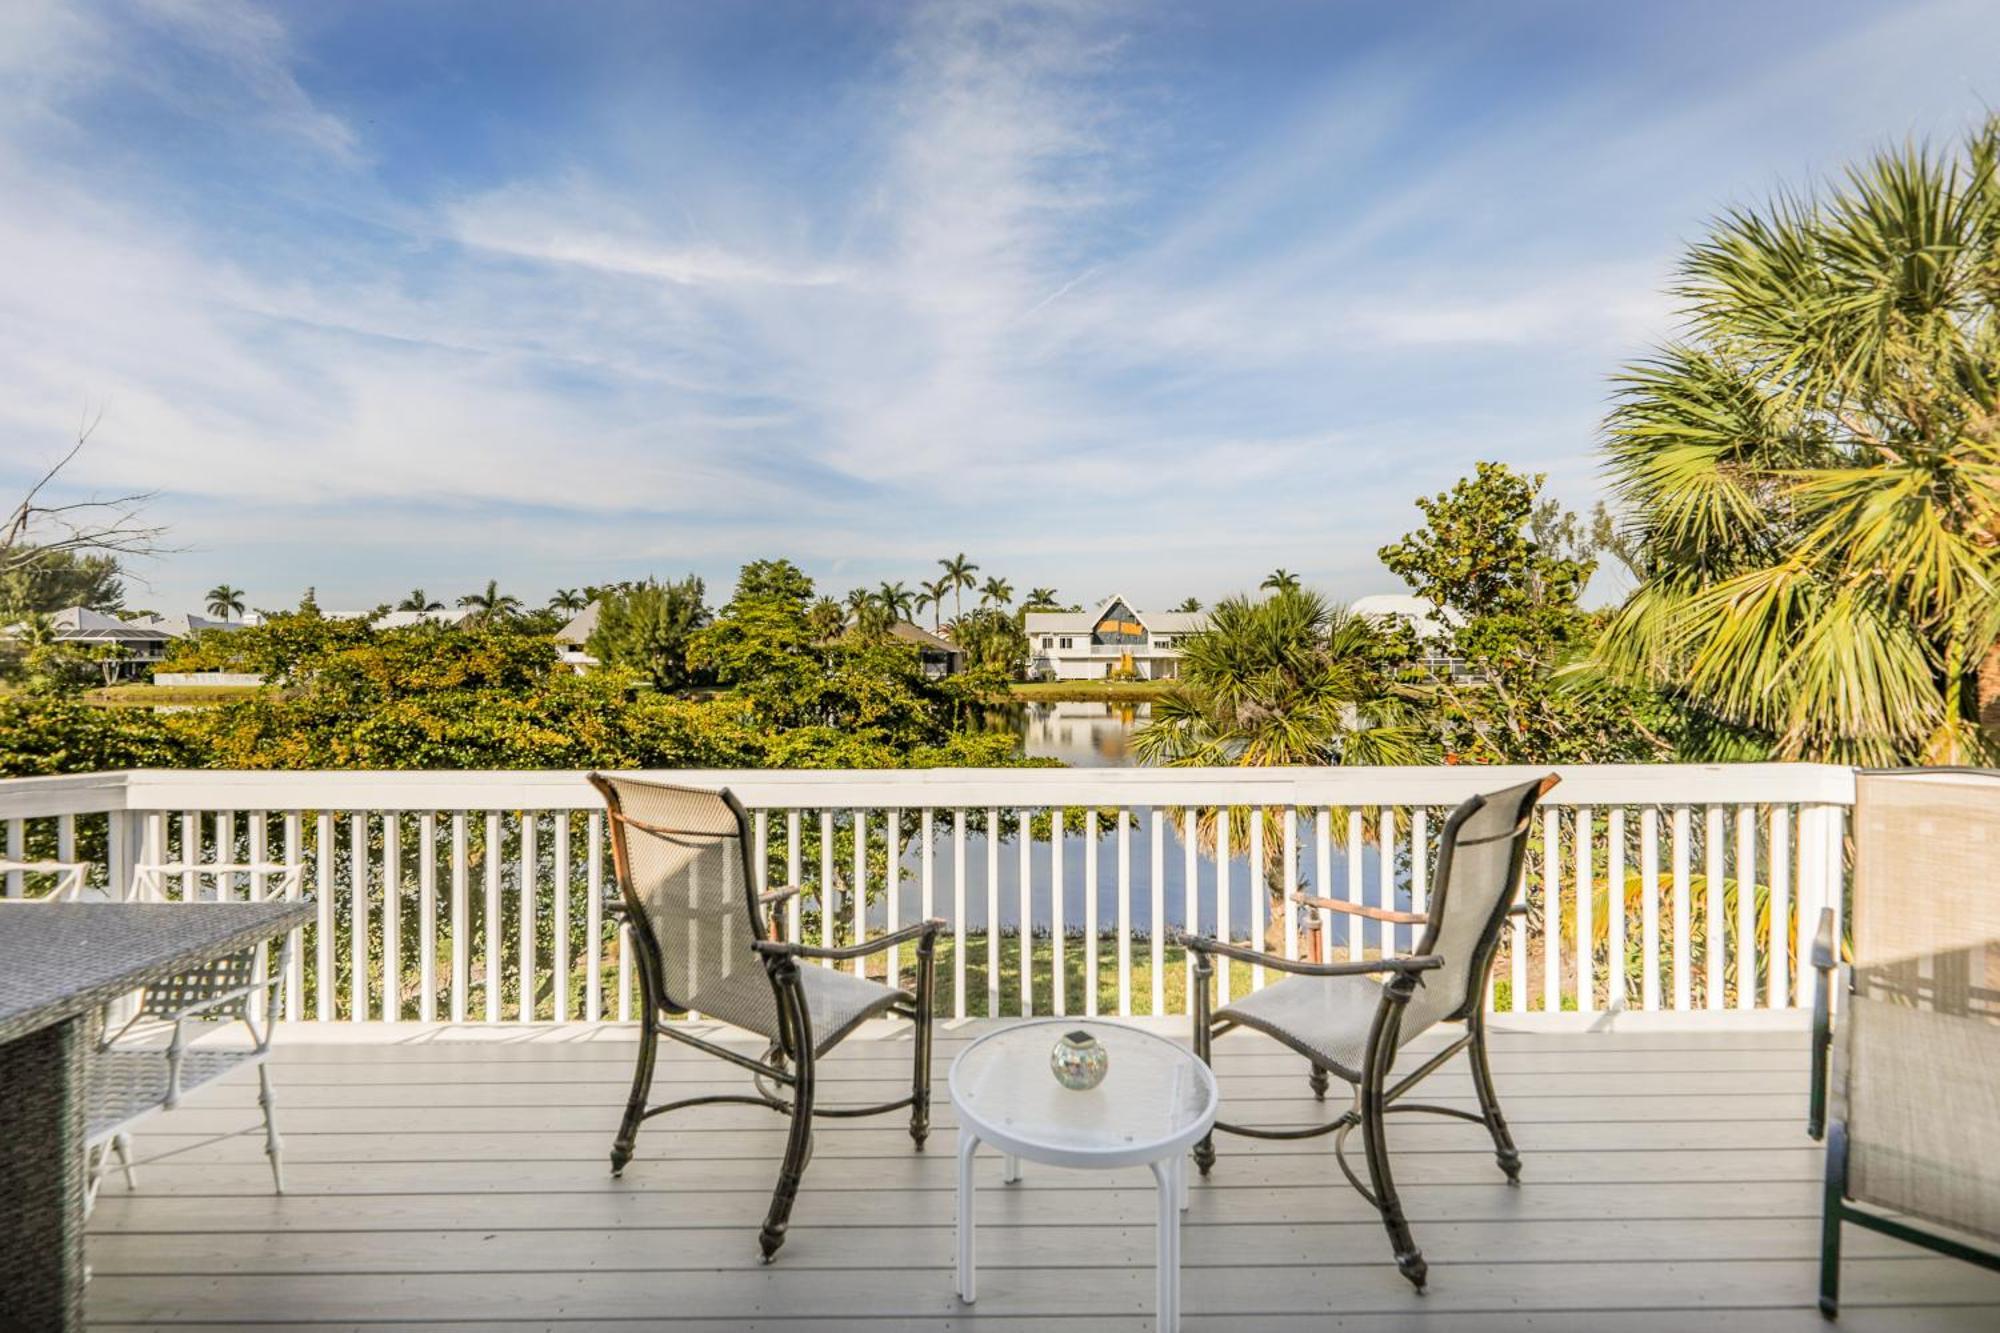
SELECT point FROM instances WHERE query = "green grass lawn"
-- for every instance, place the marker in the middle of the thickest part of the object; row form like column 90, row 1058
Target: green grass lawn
column 1074, row 989
column 1090, row 691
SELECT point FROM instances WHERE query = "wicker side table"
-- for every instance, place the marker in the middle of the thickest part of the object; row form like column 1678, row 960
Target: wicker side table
column 59, row 963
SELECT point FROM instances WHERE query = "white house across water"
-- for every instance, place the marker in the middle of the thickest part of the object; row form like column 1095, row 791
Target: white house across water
column 1112, row 640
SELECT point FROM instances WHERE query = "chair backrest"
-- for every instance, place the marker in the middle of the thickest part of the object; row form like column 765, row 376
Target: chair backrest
column 683, row 861
column 1480, row 853
column 1917, row 1074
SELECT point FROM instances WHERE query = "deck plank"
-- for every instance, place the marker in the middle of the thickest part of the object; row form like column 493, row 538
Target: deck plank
column 462, row 1183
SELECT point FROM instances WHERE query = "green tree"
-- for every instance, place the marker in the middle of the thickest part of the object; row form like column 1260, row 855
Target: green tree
column 491, row 603
column 958, row 572
column 996, row 592
column 225, row 601
column 897, row 602
column 569, row 601
column 1509, row 605
column 57, row 580
column 648, row 629
column 1042, row 599
column 1189, row 605
column 991, row 638
column 1280, row 580
column 1810, row 475
column 44, row 733
column 826, row 617
column 419, row 600
column 933, row 595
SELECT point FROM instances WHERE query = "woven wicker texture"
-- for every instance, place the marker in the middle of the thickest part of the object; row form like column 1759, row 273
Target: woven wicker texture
column 1325, row 1018
column 1917, row 1078
column 685, row 858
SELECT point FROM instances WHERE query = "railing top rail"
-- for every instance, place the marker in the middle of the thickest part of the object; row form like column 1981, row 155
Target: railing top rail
column 969, row 788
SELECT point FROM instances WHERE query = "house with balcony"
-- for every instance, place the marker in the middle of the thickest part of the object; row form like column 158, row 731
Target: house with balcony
column 1112, row 641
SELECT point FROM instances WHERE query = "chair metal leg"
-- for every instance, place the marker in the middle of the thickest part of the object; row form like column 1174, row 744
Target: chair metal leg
column 1504, row 1151
column 1829, row 1227
column 920, row 1104
column 1317, row 1081
column 798, row 1151
column 1373, row 1099
column 122, row 1145
column 642, row 1086
column 1204, row 1151
column 274, row 1147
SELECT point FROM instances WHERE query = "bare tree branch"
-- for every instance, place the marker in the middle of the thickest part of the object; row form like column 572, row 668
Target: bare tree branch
column 108, row 526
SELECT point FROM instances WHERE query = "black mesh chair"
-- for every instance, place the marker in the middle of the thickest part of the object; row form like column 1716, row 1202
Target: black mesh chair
column 1350, row 1019
column 705, row 943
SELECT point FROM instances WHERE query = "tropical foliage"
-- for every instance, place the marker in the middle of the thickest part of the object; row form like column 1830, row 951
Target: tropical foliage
column 1810, row 476
column 224, row 601
column 648, row 628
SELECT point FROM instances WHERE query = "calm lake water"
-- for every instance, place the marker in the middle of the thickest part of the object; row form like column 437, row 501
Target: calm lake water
column 1098, row 735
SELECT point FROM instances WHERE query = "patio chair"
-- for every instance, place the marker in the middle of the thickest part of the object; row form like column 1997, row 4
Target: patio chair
column 1349, row 1019
column 1912, row 1064
column 132, row 1077
column 705, row 944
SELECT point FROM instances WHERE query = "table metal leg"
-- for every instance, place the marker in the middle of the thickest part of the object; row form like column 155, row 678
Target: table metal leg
column 968, row 1143
column 1168, row 1244
column 41, row 1178
column 1010, row 1169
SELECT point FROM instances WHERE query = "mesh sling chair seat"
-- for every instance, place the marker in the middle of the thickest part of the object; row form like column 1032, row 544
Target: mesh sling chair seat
column 705, row 943
column 1350, row 1019
column 1913, row 1062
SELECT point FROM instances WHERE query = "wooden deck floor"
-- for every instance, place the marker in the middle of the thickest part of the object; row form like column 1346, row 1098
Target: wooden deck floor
column 463, row 1184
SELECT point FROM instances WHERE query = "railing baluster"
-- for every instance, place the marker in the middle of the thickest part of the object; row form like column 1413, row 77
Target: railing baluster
column 1517, row 947
column 492, row 914
column 992, row 913
column 1190, row 903
column 323, row 979
column 1781, row 906
column 1124, row 912
column 1058, row 928
column 1224, row 918
column 794, row 906
column 593, row 917
column 892, row 852
column 1649, row 883
column 1615, row 997
column 1746, row 907
column 530, row 889
column 1586, row 916
column 859, row 888
column 1259, row 896
column 1289, row 871
column 191, row 856
column 829, row 895
column 1024, row 889
column 17, row 850
column 1357, row 936
column 461, row 917
column 927, row 865
column 392, row 916
column 1683, row 911
column 1715, row 930
column 1156, row 924
column 958, row 913
column 294, row 853
column 357, row 921
column 1551, row 910
column 1090, row 913
column 560, row 928
column 1323, row 878
column 427, row 916
column 1420, row 888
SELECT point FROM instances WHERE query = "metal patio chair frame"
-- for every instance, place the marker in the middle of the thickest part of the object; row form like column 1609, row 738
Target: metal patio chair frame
column 1901, row 982
column 784, row 1078
column 1375, row 1096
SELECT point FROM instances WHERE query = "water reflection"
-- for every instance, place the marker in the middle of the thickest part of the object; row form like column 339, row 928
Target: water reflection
column 1082, row 735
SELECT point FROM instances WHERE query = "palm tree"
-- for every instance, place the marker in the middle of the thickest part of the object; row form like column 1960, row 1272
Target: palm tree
column 933, row 597
column 225, row 601
column 1189, row 605
column 997, row 592
column 825, row 618
column 1811, row 477
column 958, row 572
column 1279, row 580
column 419, row 600
column 492, row 604
column 568, row 600
column 1290, row 680
column 1041, row 599
column 896, row 601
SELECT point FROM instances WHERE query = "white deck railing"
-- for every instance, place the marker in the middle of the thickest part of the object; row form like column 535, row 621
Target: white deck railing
column 440, row 893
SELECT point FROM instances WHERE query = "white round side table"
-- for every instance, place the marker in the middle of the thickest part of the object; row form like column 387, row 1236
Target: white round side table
column 1155, row 1102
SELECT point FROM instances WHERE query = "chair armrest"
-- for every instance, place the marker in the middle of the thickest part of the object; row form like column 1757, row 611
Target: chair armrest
column 772, row 897
column 1518, row 909
column 1203, row 944
column 1823, row 959
column 786, row 949
column 1360, row 909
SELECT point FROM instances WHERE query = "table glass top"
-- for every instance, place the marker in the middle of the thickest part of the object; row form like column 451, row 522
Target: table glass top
column 1153, row 1090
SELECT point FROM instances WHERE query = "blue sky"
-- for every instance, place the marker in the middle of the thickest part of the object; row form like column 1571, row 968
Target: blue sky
column 1112, row 297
